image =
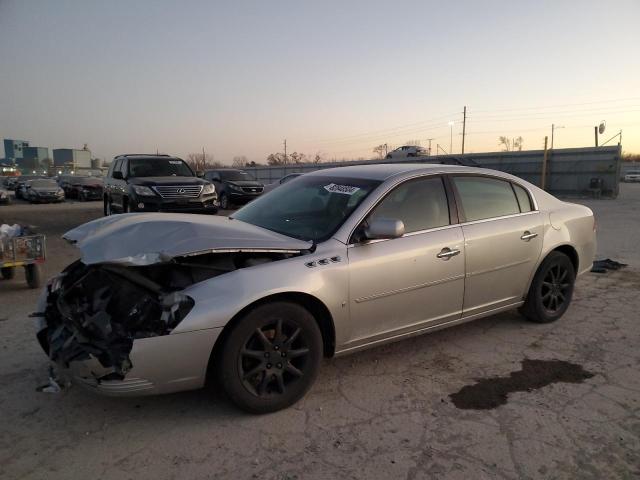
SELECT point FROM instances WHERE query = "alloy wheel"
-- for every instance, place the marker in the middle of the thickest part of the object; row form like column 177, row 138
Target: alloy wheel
column 274, row 358
column 555, row 288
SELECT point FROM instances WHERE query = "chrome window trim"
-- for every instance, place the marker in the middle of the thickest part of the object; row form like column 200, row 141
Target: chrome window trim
column 532, row 197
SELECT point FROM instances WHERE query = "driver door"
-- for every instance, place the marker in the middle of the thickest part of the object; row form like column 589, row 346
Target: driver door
column 404, row 284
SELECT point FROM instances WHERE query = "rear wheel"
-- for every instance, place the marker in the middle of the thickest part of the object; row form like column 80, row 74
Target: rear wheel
column 8, row 272
column 551, row 289
column 271, row 357
column 33, row 274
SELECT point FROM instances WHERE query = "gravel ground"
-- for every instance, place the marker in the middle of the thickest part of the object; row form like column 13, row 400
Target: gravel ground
column 570, row 410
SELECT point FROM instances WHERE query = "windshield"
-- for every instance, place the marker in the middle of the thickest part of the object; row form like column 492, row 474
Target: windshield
column 158, row 167
column 311, row 208
column 43, row 184
column 235, row 175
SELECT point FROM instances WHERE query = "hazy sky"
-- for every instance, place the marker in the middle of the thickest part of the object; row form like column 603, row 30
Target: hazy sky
column 336, row 77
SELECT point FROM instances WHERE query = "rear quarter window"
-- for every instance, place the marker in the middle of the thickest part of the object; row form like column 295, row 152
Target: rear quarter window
column 523, row 198
column 483, row 197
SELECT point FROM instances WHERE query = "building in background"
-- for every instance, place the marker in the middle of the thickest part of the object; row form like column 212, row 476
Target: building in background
column 13, row 149
column 70, row 159
column 34, row 158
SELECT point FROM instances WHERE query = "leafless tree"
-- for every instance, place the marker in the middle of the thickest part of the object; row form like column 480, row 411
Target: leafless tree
column 506, row 142
column 276, row 159
column 239, row 161
column 296, row 157
column 319, row 157
column 198, row 161
column 517, row 143
column 380, row 150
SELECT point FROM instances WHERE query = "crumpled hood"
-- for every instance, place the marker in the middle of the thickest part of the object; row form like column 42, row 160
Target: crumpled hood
column 148, row 238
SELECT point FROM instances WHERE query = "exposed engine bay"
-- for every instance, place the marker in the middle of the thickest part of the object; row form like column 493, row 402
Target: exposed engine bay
column 99, row 310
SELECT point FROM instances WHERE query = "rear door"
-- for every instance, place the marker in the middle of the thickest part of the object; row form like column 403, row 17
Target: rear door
column 503, row 240
column 403, row 284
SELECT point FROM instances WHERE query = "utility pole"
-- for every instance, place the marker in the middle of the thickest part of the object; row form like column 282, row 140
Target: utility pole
column 285, row 151
column 429, row 139
column 595, row 130
column 543, row 175
column 464, row 126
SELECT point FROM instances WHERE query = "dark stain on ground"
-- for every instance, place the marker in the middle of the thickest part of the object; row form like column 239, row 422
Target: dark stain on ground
column 492, row 392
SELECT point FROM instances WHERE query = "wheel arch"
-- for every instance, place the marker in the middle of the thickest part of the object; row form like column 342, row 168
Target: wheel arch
column 570, row 252
column 314, row 305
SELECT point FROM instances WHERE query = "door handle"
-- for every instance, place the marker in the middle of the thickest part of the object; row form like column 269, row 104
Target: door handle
column 526, row 236
column 446, row 253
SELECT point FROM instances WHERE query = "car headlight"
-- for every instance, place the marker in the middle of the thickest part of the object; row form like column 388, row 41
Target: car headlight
column 143, row 191
column 235, row 187
column 208, row 189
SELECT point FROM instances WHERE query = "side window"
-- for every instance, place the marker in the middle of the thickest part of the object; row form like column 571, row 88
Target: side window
column 523, row 198
column 109, row 172
column 420, row 204
column 485, row 197
column 118, row 164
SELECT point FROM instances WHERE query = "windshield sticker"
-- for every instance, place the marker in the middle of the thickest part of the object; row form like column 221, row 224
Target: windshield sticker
column 175, row 162
column 346, row 189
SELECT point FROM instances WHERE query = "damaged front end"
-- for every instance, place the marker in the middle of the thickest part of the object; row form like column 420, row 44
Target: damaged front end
column 98, row 311
column 93, row 314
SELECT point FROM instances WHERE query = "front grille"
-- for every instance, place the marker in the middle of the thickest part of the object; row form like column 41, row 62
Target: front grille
column 252, row 189
column 179, row 191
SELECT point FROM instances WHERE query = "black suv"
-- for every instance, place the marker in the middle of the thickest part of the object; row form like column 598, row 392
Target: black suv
column 234, row 187
column 156, row 183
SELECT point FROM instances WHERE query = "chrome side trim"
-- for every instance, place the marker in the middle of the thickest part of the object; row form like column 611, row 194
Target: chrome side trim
column 408, row 289
column 513, row 215
column 239, row 250
column 495, row 269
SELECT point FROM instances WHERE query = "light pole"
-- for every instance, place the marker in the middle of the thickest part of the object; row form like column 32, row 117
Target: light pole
column 451, row 139
column 553, row 127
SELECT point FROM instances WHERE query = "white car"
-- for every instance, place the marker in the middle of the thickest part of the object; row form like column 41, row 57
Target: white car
column 632, row 176
column 407, row 151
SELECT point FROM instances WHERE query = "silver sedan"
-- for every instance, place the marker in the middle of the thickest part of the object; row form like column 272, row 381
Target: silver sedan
column 337, row 261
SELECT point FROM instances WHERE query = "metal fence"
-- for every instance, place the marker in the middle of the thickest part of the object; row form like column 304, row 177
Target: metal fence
column 570, row 171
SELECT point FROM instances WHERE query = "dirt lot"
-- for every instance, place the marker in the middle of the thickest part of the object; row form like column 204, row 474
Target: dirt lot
column 567, row 395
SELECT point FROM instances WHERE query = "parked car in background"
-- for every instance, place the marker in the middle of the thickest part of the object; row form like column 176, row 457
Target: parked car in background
column 43, row 190
column 10, row 182
column 334, row 262
column 632, row 176
column 234, row 187
column 20, row 186
column 282, row 181
column 156, row 183
column 5, row 196
column 407, row 151
column 84, row 188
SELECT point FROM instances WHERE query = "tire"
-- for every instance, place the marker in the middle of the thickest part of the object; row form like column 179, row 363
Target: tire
column 81, row 197
column 224, row 202
column 106, row 208
column 8, row 272
column 125, row 206
column 551, row 290
column 256, row 365
column 388, row 157
column 33, row 274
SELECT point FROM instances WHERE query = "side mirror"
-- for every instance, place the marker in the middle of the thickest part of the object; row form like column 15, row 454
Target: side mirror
column 200, row 174
column 118, row 175
column 383, row 228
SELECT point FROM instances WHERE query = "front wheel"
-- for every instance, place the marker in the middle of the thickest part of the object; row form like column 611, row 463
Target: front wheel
column 271, row 357
column 551, row 289
column 224, row 201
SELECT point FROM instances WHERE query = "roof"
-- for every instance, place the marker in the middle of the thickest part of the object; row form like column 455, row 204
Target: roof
column 383, row 171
